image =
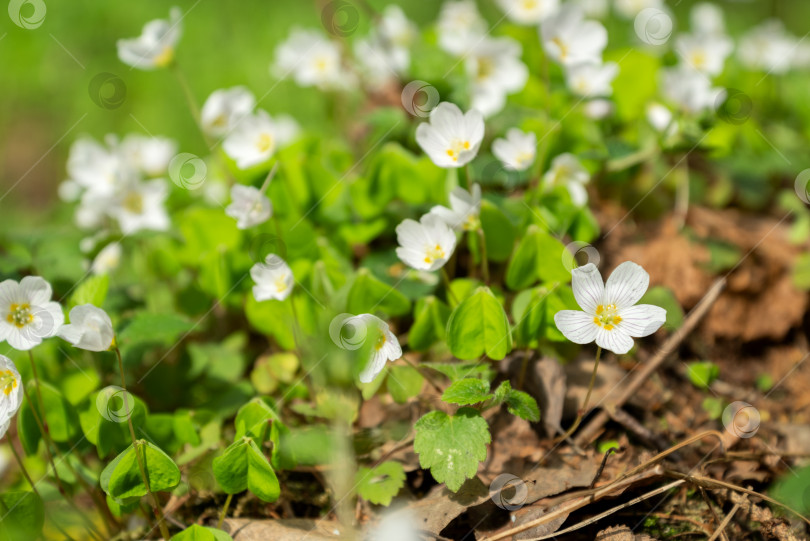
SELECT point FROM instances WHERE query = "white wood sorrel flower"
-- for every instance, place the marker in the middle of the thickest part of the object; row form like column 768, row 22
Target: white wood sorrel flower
column 154, row 48
column 427, row 244
column 355, row 331
column 249, row 206
column 224, row 108
column 570, row 39
column 465, row 208
column 517, row 150
column 11, row 395
column 451, row 138
column 274, row 279
column 27, row 314
column 609, row 313
column 90, row 328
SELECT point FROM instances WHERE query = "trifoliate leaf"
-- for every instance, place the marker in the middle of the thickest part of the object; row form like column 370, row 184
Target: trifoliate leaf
column 452, row 446
column 243, row 466
column 369, row 294
column 467, row 391
column 429, row 323
column 479, row 326
column 122, row 479
column 195, row 532
column 379, row 485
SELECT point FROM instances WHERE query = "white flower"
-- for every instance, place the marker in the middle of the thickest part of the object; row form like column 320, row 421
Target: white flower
column 249, row 206
column 768, row 47
column 495, row 69
column 591, row 79
column 312, row 59
column 140, row 205
column 12, row 394
column 460, row 26
column 690, row 90
column 517, row 151
column 273, row 278
column 593, row 8
column 451, row 138
column 465, row 207
column 90, row 328
column 427, row 244
column 107, row 260
column 567, row 171
column 384, row 344
column 254, row 140
column 630, row 8
column 154, row 48
column 224, row 109
column 385, row 53
column 150, row 155
column 660, row 117
column 707, row 18
column 27, row 314
column 528, row 12
column 598, row 109
column 570, row 39
column 95, row 168
column 609, row 315
column 704, row 52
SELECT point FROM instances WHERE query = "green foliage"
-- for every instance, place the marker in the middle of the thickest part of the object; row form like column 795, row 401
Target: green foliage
column 517, row 402
column 23, row 516
column 702, row 373
column 380, row 484
column 538, row 257
column 122, row 479
column 479, row 326
column 467, row 391
column 195, row 532
column 63, row 422
column 93, row 291
column 429, row 324
column 243, row 467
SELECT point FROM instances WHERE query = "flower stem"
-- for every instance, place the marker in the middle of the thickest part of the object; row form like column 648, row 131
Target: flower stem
column 484, row 262
column 450, row 294
column 42, row 422
column 584, row 408
column 164, row 531
column 224, row 511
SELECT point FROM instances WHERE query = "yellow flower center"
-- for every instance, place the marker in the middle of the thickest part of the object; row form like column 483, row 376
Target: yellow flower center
column 456, row 147
column 607, row 317
column 165, row 57
column 280, row 283
column 7, row 381
column 433, row 254
column 133, row 202
column 485, row 68
column 20, row 315
column 699, row 59
column 321, row 64
column 529, row 4
column 265, row 142
column 563, row 48
column 380, row 341
column 472, row 223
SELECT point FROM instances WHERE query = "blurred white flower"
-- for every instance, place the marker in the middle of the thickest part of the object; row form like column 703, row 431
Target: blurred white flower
column 427, row 244
column 384, row 344
column 704, row 52
column 630, row 8
column 768, row 47
column 451, row 138
column 273, row 278
column 591, row 79
column 90, row 328
column 517, row 150
column 465, row 208
column 154, row 48
column 596, row 9
column 256, row 138
column 707, row 18
column 566, row 170
column 11, row 396
column 528, row 12
column 598, row 109
column 385, row 53
column 495, row 69
column 150, row 155
column 460, row 26
column 609, row 316
column 313, row 60
column 140, row 205
column 27, row 314
column 249, row 206
column 569, row 38
column 395, row 526
column 96, row 168
column 690, row 90
column 107, row 260
column 224, row 108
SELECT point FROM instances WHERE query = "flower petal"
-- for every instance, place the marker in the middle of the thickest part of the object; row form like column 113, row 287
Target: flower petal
column 588, row 287
column 10, row 293
column 626, row 285
column 615, row 340
column 576, row 326
column 642, row 319
column 36, row 290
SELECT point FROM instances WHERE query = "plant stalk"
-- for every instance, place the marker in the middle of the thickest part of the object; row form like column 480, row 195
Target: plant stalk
column 224, row 511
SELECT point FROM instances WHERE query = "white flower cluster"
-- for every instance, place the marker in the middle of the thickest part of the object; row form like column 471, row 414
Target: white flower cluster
column 769, row 47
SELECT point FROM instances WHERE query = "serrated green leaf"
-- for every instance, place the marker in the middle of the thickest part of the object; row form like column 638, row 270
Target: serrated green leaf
column 479, row 325
column 517, row 402
column 379, row 485
column 457, row 371
column 467, row 391
column 243, row 467
column 452, row 446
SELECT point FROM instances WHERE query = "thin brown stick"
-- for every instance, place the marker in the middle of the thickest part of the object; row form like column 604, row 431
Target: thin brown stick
column 590, row 431
column 723, row 525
